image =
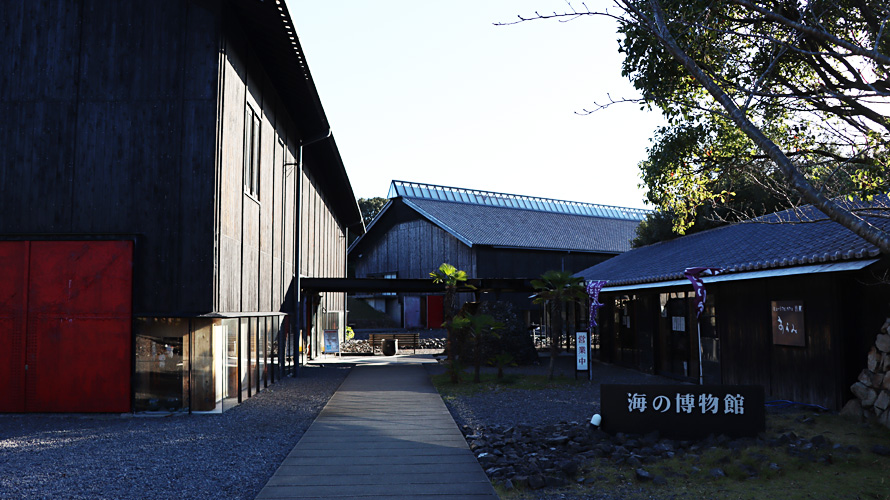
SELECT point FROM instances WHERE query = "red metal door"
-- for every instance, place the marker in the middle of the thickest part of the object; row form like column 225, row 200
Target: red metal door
column 79, row 326
column 65, row 310
column 13, row 305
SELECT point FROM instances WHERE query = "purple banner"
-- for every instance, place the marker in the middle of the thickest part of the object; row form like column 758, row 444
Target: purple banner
column 694, row 275
column 593, row 291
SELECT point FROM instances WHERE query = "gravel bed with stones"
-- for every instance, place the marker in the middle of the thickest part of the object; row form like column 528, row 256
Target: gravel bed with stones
column 542, row 407
column 539, row 441
column 231, row 455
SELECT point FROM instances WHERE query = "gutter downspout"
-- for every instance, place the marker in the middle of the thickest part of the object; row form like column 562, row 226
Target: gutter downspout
column 298, row 239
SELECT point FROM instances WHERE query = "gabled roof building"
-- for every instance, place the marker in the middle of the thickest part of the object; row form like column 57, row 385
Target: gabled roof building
column 796, row 307
column 487, row 234
column 168, row 175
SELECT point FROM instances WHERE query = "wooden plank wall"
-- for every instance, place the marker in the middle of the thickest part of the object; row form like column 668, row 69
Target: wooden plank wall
column 811, row 374
column 413, row 249
column 109, row 131
column 323, row 248
column 257, row 233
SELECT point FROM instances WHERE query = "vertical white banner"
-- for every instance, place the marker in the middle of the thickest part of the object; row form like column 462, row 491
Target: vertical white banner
column 582, row 353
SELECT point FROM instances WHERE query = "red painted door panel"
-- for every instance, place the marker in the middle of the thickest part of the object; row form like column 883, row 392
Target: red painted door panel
column 13, row 305
column 79, row 341
column 434, row 311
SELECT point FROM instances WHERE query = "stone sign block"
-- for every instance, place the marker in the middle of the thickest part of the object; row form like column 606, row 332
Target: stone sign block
column 683, row 411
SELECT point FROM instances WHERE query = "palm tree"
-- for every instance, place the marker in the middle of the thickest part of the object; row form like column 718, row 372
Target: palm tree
column 452, row 278
column 557, row 288
column 479, row 326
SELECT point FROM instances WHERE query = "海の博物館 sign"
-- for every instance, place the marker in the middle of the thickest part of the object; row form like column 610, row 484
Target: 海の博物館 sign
column 683, row 411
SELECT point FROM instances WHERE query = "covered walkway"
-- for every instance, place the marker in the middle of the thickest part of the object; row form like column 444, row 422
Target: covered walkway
column 384, row 434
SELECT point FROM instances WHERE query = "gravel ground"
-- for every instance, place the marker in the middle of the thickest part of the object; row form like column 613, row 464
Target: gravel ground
column 229, row 456
column 542, row 407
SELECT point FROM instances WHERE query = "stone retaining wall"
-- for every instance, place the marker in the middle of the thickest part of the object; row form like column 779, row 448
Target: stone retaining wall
column 872, row 390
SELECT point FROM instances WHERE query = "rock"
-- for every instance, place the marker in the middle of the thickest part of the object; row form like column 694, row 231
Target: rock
column 569, row 467
column 885, row 384
column 886, row 327
column 643, row 475
column 508, row 485
column 554, row 481
column 884, row 419
column 717, row 473
column 557, row 440
column 775, row 467
column 853, row 409
column 536, row 482
column 865, row 394
column 881, row 450
column 877, row 379
column 874, row 359
column 820, row 441
column 865, row 377
column 882, row 342
column 883, row 400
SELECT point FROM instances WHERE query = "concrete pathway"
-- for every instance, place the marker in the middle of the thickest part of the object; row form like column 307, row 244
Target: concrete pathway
column 384, row 434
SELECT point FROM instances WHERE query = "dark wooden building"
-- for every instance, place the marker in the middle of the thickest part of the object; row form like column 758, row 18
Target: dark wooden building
column 168, row 175
column 486, row 234
column 796, row 309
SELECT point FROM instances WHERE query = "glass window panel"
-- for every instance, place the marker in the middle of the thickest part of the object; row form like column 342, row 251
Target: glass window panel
column 253, row 367
column 161, row 368
column 230, row 390
column 261, row 353
column 244, row 359
column 205, row 395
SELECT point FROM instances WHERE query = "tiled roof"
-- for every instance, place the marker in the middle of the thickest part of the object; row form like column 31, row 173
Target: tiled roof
column 784, row 239
column 522, row 228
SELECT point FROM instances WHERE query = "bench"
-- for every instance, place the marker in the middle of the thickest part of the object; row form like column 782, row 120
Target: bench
column 405, row 340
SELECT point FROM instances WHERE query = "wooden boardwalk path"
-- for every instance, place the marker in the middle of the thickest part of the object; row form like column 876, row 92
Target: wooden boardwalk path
column 384, row 434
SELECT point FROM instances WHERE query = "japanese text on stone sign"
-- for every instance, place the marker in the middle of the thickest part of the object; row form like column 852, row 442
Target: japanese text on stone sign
column 687, row 403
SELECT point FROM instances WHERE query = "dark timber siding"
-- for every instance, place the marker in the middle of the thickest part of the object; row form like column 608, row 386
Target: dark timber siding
column 843, row 312
column 413, row 249
column 810, row 374
column 256, row 232
column 323, row 241
column 513, row 263
column 109, row 112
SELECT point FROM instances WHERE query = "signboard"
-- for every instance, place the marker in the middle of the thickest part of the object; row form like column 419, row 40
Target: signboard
column 683, row 411
column 582, row 351
column 331, row 341
column 787, row 317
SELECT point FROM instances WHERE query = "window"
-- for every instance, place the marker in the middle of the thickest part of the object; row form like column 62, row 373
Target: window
column 251, row 152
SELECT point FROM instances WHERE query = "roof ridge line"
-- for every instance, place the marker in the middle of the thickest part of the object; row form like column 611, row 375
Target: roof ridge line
column 506, row 200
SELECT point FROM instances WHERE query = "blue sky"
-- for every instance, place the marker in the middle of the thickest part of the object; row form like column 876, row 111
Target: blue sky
column 434, row 92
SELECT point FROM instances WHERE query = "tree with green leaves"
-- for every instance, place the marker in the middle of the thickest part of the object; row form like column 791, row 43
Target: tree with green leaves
column 479, row 326
column 556, row 289
column 370, row 207
column 789, row 96
column 452, row 278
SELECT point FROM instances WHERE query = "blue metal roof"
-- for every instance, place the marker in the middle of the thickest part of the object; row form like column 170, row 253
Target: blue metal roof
column 487, row 198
